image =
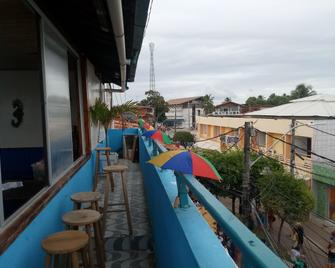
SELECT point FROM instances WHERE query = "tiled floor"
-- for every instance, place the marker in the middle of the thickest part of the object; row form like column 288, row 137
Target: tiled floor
column 121, row 249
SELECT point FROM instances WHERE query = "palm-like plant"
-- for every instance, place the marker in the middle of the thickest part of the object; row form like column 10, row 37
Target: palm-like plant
column 101, row 114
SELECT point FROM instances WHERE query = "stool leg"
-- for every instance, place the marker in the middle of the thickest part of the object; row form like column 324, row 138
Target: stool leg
column 111, row 179
column 99, row 248
column 64, row 261
column 126, row 202
column 47, row 261
column 56, row 262
column 106, row 199
column 74, row 260
column 97, row 167
column 84, row 257
column 107, row 158
column 90, row 248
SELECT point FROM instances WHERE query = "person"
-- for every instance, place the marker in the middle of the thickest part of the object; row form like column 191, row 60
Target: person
column 271, row 219
column 297, row 236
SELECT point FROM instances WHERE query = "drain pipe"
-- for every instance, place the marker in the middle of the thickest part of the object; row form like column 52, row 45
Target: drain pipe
column 116, row 15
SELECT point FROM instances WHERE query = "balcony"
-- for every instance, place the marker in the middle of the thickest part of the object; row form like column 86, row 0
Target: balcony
column 181, row 236
column 164, row 236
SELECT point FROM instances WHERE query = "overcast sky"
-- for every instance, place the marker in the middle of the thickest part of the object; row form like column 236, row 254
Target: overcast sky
column 238, row 48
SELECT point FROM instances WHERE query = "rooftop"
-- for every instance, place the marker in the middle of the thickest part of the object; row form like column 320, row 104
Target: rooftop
column 182, row 100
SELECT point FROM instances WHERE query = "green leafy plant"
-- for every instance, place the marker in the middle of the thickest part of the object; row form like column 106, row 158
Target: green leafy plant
column 101, row 114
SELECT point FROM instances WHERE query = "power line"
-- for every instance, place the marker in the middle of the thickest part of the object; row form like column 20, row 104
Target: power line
column 317, row 129
column 303, row 149
column 301, row 169
column 223, row 134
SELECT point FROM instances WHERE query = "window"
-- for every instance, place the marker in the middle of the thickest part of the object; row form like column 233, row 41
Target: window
column 216, row 131
column 75, row 106
column 261, row 139
column 23, row 169
column 63, row 103
column 38, row 143
column 203, row 129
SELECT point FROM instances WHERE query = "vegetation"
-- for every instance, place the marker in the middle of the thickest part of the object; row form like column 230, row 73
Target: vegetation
column 157, row 102
column 301, row 91
column 208, row 104
column 102, row 115
column 287, row 197
column 184, row 138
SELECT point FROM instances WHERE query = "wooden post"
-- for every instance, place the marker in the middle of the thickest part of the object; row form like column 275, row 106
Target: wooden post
column 246, row 209
column 292, row 154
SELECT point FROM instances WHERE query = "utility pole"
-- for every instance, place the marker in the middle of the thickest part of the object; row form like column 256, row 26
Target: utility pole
column 292, row 156
column 246, row 208
column 175, row 119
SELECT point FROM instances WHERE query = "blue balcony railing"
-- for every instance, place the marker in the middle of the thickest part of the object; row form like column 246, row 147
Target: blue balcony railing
column 182, row 236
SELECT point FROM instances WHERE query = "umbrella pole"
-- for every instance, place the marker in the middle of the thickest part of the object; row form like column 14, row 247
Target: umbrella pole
column 182, row 191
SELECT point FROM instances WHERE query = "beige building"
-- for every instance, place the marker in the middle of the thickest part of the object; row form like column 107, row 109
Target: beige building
column 275, row 128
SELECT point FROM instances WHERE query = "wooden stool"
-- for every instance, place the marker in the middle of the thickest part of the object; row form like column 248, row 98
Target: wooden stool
column 66, row 243
column 86, row 197
column 109, row 177
column 87, row 218
column 107, row 151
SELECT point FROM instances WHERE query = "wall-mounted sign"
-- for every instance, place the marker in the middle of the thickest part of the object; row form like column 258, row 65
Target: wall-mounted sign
column 18, row 113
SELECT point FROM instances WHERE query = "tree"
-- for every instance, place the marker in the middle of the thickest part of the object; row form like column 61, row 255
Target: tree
column 157, row 102
column 208, row 104
column 302, row 91
column 289, row 198
column 253, row 101
column 230, row 167
column 276, row 100
column 184, row 138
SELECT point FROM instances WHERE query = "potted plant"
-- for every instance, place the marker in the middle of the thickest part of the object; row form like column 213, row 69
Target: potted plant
column 102, row 115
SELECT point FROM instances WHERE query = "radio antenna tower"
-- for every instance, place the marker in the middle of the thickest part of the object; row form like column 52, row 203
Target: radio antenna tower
column 152, row 67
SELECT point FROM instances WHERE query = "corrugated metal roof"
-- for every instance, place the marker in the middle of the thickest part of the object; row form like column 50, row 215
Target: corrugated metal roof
column 313, row 107
column 182, row 100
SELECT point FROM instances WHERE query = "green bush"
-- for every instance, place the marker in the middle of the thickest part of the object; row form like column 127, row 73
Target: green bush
column 185, row 138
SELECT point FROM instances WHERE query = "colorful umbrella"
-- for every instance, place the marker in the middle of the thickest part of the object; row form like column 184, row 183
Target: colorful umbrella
column 187, row 162
column 158, row 135
column 147, row 126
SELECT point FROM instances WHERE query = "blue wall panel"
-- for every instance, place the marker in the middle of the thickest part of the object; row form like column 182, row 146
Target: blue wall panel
column 26, row 250
column 182, row 238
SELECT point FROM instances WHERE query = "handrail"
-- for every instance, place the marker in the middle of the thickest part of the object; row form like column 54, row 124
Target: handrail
column 255, row 252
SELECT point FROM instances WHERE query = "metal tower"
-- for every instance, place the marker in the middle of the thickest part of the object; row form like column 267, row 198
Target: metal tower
column 152, row 67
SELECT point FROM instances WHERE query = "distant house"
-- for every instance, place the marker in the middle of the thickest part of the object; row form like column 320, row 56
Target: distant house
column 228, row 108
column 234, row 108
column 183, row 112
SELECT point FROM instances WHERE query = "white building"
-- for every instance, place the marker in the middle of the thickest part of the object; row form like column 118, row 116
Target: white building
column 183, row 112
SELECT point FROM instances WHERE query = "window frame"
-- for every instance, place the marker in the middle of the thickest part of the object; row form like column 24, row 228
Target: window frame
column 11, row 228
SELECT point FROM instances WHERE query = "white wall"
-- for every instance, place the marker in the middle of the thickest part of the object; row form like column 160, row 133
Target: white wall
column 323, row 143
column 93, row 85
column 24, row 85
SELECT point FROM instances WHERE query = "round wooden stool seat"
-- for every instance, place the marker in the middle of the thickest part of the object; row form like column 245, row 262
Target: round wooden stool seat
column 81, row 217
column 115, row 168
column 65, row 242
column 85, row 197
column 103, row 149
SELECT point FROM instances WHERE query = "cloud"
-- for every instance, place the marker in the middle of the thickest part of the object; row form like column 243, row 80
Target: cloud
column 238, row 48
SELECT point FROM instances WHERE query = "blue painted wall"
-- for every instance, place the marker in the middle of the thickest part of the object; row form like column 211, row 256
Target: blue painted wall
column 182, row 238
column 26, row 251
column 115, row 137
